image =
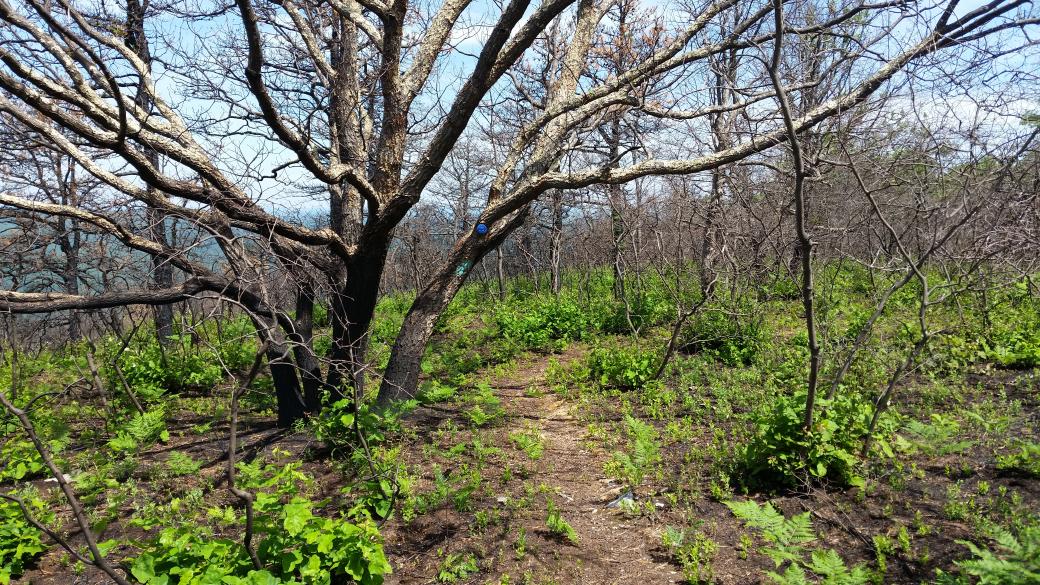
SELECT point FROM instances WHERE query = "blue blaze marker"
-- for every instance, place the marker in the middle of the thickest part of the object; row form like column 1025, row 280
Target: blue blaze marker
column 482, row 229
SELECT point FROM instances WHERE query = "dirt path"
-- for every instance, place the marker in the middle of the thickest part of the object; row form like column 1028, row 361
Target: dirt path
column 611, row 548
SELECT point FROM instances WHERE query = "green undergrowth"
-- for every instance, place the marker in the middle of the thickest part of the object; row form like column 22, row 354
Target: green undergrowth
column 723, row 418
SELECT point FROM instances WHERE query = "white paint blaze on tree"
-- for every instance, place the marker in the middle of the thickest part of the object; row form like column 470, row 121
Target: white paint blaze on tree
column 241, row 112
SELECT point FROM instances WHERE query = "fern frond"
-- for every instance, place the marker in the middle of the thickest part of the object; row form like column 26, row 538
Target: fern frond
column 829, row 564
column 794, row 575
column 781, row 531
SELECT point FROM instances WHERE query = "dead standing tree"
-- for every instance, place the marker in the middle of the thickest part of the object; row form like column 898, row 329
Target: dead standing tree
column 342, row 92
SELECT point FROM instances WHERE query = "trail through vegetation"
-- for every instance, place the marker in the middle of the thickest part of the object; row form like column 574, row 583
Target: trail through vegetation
column 551, row 451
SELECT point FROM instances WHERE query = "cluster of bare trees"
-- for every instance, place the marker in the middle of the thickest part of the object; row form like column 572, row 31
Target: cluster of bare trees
column 274, row 155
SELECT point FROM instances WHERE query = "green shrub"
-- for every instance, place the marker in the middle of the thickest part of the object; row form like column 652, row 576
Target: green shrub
column 151, row 370
column 320, row 316
column 432, row 392
column 1014, row 341
column 20, row 541
column 645, row 309
column 1017, row 349
column 237, row 345
column 193, row 366
column 730, row 339
column 389, row 317
column 694, row 551
column 293, row 545
column 1024, row 461
column 1015, row 560
column 627, row 368
column 141, row 431
column 19, row 459
column 544, row 324
column 335, row 425
column 938, row 437
column 780, row 454
column 782, row 288
column 145, row 370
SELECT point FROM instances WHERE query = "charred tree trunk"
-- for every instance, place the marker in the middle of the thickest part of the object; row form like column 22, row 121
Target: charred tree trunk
column 556, row 239
column 351, row 311
column 70, row 274
column 291, row 403
column 288, row 398
column 162, row 278
column 302, row 339
column 401, row 377
column 500, row 273
column 162, row 272
column 616, row 200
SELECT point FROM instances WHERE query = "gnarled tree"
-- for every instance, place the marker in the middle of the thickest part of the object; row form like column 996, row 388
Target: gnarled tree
column 352, row 107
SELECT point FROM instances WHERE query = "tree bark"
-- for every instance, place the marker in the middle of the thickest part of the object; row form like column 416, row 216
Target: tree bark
column 162, row 278
column 302, row 340
column 352, row 311
column 401, row 377
column 556, row 239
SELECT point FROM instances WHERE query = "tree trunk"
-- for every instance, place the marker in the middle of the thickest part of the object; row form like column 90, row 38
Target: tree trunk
column 291, row 405
column 310, row 370
column 162, row 272
column 162, row 277
column 500, row 273
column 290, row 401
column 616, row 199
column 351, row 312
column 70, row 245
column 401, row 377
column 556, row 239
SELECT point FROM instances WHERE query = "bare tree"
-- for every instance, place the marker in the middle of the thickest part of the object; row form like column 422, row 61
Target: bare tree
column 354, row 103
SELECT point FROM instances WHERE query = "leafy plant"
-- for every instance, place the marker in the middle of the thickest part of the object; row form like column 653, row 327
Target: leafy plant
column 20, row 541
column 557, row 525
column 336, row 424
column 627, row 368
column 141, row 431
column 729, row 338
column 181, row 464
column 787, row 540
column 457, row 567
column 151, row 369
column 1025, row 461
column 530, row 442
column 781, row 453
column 645, row 309
column 544, row 324
column 484, row 407
column 938, row 437
column 694, row 552
column 294, row 546
column 434, row 391
column 1017, row 346
column 643, row 454
column 787, row 537
column 20, row 460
